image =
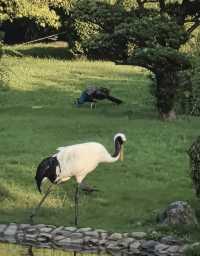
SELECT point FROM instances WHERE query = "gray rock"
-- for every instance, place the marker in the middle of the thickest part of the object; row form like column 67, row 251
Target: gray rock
column 76, row 235
column 72, row 229
column 76, row 242
column 31, row 230
column 65, row 241
column 29, row 237
column 173, row 249
column 102, row 242
column 134, row 245
column 56, row 230
column 113, row 246
column 115, row 236
column 149, row 245
column 10, row 230
column 103, row 235
column 161, row 247
column 170, row 240
column 58, row 237
column 39, row 225
column 46, row 229
column 2, row 227
column 24, row 226
column 47, row 235
column 20, row 236
column 125, row 241
column 138, row 235
column 65, row 233
column 92, row 234
column 84, row 229
column 177, row 213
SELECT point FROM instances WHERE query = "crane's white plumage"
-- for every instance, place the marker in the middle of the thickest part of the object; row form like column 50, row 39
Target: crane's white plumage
column 75, row 160
column 80, row 159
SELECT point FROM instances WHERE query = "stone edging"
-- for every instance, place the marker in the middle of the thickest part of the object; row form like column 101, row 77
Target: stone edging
column 90, row 240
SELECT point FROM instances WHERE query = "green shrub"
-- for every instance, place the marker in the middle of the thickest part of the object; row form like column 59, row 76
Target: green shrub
column 193, row 250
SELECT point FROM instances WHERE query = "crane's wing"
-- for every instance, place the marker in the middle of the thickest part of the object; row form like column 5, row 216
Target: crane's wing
column 60, row 148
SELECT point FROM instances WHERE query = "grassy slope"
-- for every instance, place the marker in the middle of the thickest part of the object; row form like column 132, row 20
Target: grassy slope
column 155, row 170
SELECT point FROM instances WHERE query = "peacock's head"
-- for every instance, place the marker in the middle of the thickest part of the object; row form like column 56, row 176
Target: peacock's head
column 119, row 140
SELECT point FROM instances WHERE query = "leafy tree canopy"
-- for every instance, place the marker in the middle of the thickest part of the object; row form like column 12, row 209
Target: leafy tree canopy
column 42, row 12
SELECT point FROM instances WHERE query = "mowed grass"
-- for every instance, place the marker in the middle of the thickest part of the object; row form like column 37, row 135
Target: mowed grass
column 38, row 115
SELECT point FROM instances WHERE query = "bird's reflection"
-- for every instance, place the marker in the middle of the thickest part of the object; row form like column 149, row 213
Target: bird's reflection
column 30, row 251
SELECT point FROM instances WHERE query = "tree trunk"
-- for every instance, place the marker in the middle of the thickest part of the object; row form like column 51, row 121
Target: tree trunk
column 166, row 86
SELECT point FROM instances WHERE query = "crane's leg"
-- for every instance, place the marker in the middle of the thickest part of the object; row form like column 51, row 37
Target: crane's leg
column 76, row 199
column 33, row 214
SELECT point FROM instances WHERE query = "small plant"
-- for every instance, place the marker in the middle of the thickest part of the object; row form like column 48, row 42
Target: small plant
column 193, row 250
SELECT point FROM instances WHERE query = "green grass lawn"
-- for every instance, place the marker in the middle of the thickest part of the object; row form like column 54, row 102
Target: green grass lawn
column 37, row 115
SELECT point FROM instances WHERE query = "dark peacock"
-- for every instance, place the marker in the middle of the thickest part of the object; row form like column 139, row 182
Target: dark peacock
column 94, row 94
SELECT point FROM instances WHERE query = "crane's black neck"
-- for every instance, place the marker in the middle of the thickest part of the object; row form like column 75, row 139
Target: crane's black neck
column 118, row 145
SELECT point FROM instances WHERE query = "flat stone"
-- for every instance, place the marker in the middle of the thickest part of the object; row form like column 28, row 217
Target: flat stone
column 31, row 230
column 45, row 229
column 125, row 241
column 56, row 230
column 84, row 229
column 138, row 235
column 63, row 242
column 149, row 244
column 113, row 246
column 58, row 237
column 173, row 249
column 102, row 242
column 11, row 230
column 125, row 234
column 134, row 251
column 76, row 241
column 93, row 242
column 24, row 226
column 46, row 235
column 76, row 235
column 170, row 240
column 20, row 236
column 72, row 229
column 92, row 234
column 103, row 235
column 134, row 245
column 42, row 239
column 161, row 247
column 115, row 236
column 39, row 226
column 65, row 233
column 2, row 227
column 30, row 237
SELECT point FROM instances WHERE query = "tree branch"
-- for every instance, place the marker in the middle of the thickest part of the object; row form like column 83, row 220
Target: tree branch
column 193, row 27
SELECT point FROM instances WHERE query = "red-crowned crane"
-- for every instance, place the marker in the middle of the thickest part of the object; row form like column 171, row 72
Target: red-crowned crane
column 76, row 160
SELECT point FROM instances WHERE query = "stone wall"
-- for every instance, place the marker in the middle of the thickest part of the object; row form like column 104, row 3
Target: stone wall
column 90, row 240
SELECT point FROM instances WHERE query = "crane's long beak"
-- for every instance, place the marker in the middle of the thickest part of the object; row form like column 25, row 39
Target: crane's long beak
column 122, row 153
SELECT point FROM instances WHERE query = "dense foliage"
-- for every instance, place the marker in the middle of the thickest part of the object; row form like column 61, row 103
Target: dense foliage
column 31, row 18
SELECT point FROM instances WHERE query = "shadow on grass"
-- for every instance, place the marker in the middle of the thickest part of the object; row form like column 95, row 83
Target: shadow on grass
column 41, row 51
